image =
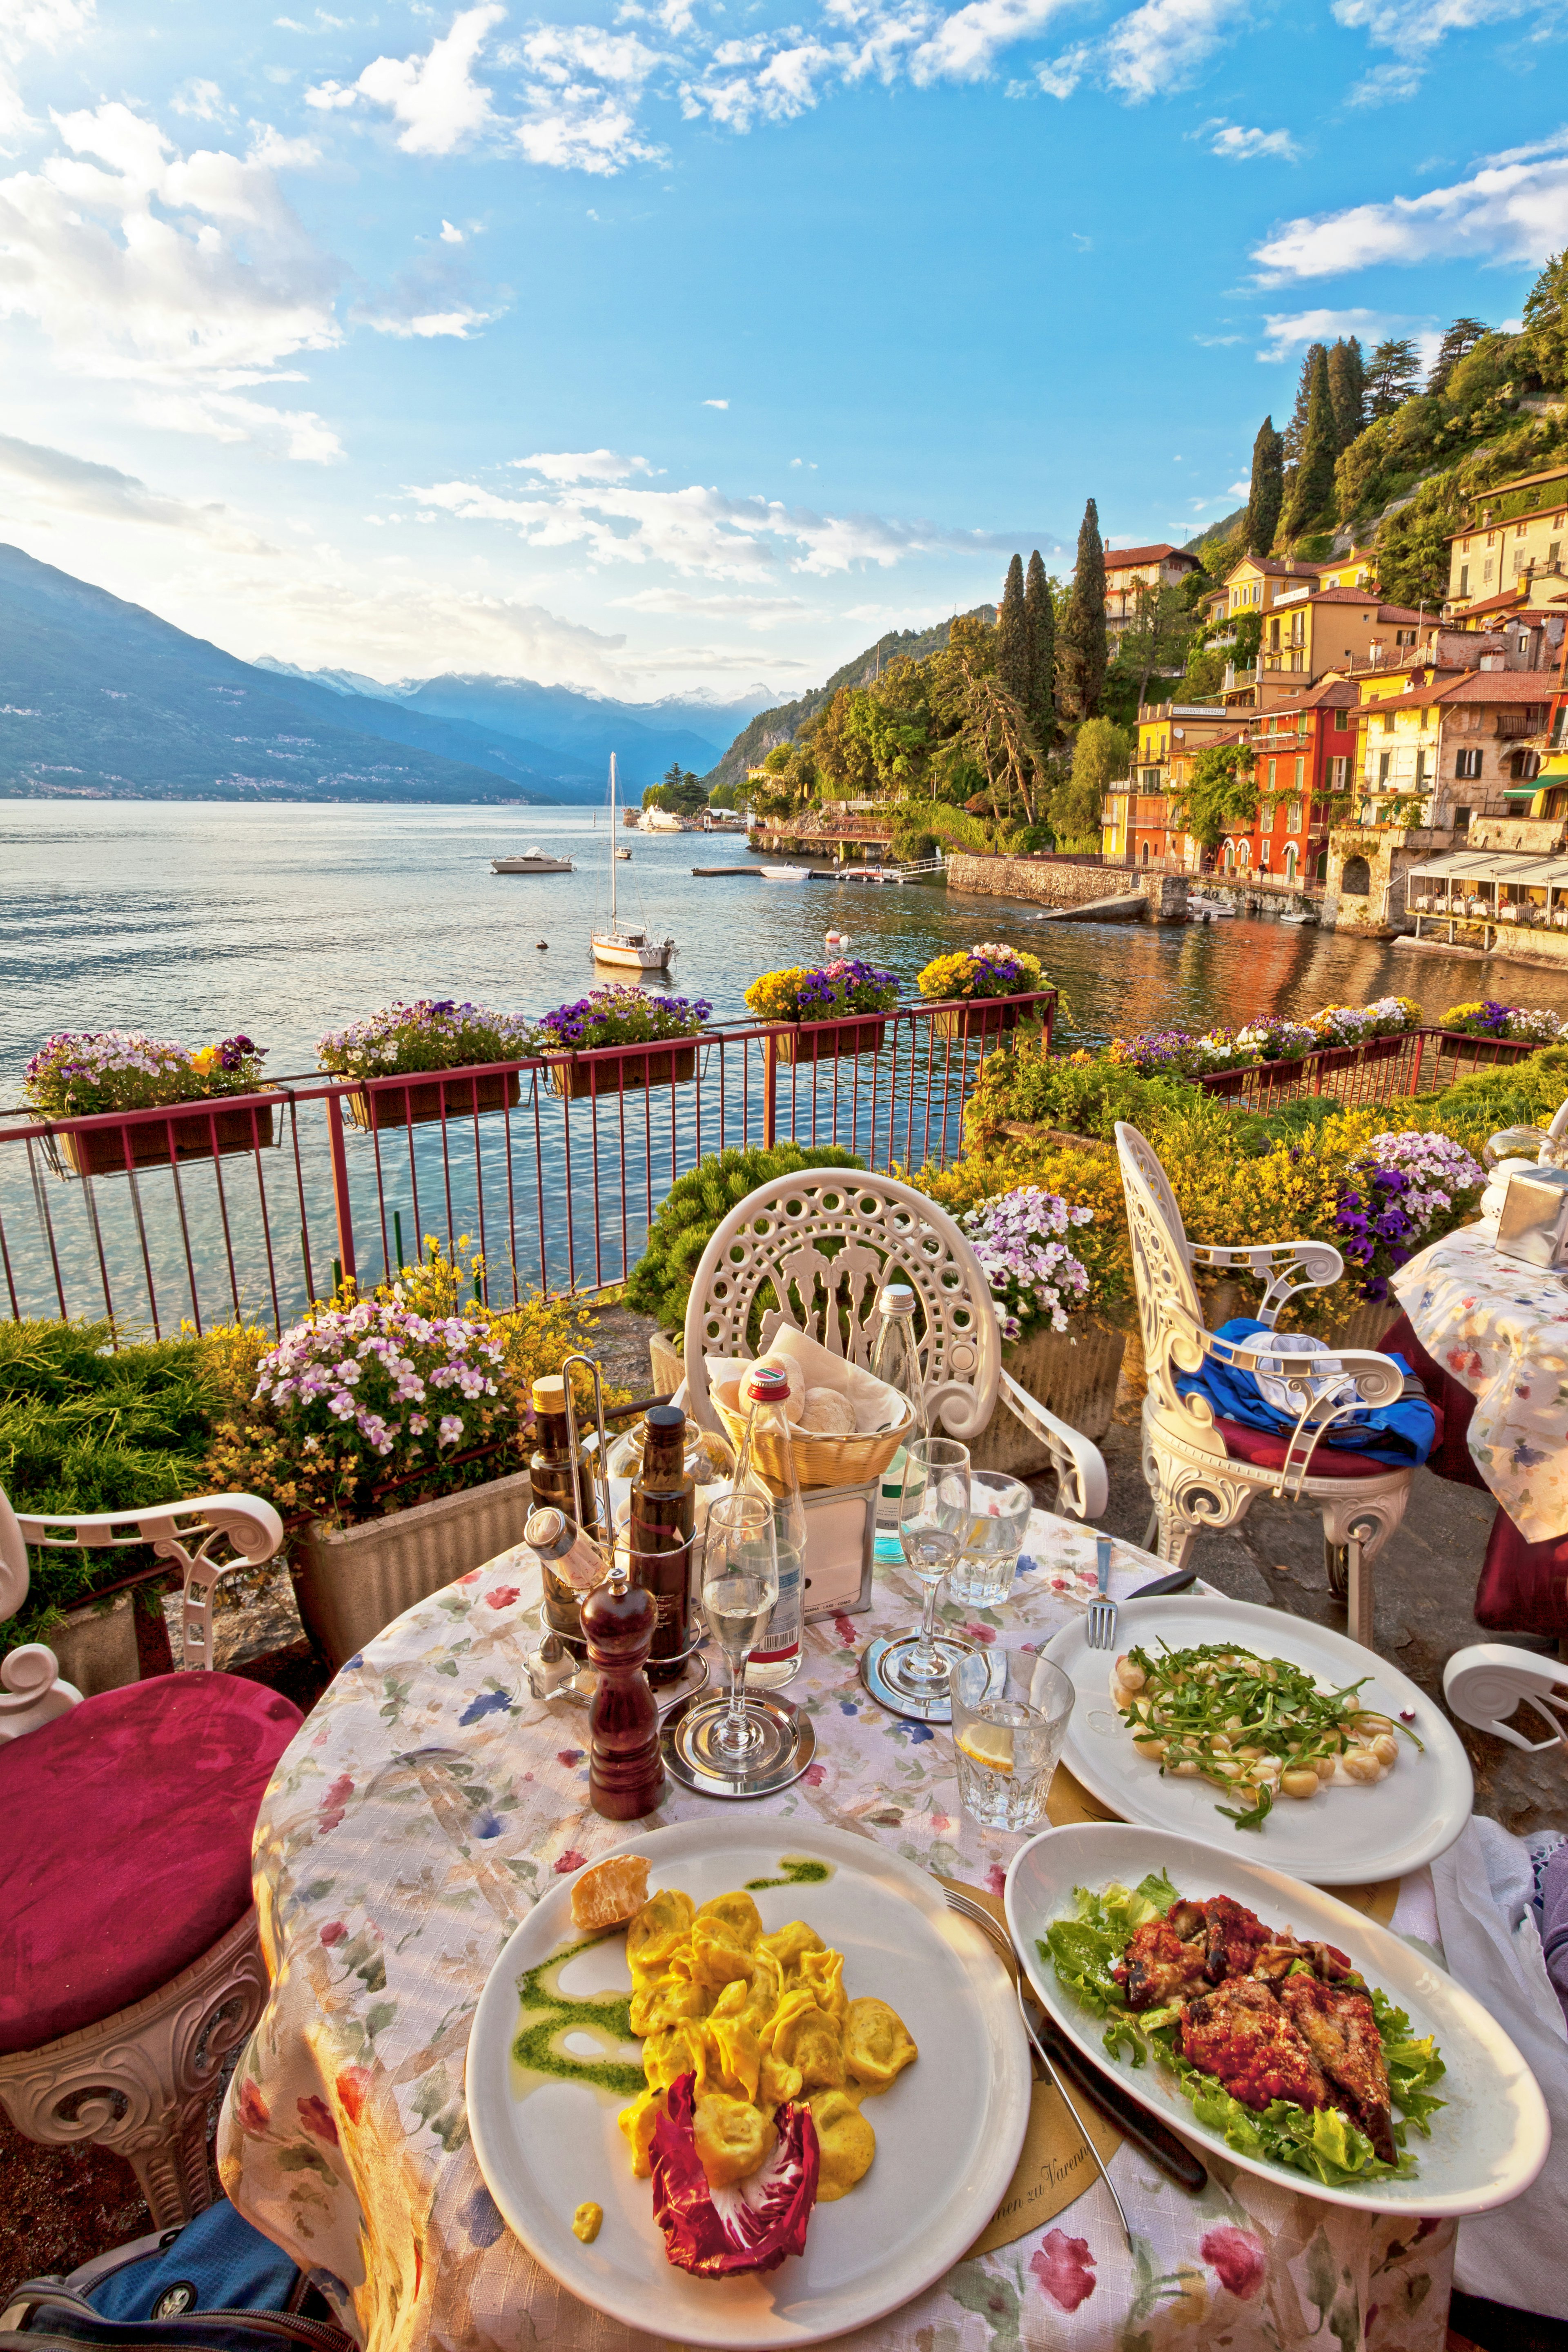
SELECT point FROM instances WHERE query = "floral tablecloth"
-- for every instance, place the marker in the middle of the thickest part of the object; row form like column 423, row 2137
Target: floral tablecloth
column 420, row 1812
column 1500, row 1328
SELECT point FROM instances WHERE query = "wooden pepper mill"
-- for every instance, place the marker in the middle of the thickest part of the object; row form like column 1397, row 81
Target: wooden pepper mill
column 626, row 1772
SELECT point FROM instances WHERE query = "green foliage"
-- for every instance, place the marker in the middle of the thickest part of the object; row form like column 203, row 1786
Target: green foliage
column 1462, row 337
column 1205, row 674
column 1081, row 642
column 1220, row 793
column 1296, row 431
column 1524, row 1093
column 1545, row 338
column 678, row 791
column 696, row 1206
column 1312, row 487
column 1155, row 638
column 1101, row 754
column 1347, row 390
column 1393, row 374
column 1413, row 548
column 1247, row 635
column 1013, row 635
column 1020, row 1085
column 1268, row 490
column 1040, row 626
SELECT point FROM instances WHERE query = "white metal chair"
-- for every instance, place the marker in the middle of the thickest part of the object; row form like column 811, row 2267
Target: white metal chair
column 130, row 1963
column 1204, row 1472
column 813, row 1249
column 1484, row 1683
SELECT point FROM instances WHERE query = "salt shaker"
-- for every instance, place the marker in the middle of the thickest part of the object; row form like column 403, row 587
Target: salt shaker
column 626, row 1772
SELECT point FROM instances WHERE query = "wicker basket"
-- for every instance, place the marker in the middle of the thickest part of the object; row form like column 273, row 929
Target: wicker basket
column 820, row 1461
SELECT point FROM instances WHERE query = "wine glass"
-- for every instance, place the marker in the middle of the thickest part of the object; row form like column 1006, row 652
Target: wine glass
column 740, row 1586
column 909, row 1675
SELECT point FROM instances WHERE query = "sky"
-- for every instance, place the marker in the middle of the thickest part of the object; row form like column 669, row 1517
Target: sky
column 684, row 346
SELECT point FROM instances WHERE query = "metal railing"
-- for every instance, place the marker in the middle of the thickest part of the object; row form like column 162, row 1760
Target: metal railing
column 250, row 1207
column 1378, row 1070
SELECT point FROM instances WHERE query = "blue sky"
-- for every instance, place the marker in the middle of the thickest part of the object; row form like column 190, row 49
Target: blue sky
column 684, row 346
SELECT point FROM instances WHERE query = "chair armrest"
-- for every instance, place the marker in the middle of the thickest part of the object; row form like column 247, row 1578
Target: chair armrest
column 1348, row 1381
column 1485, row 1683
column 250, row 1524
column 1291, row 1265
column 1082, row 1485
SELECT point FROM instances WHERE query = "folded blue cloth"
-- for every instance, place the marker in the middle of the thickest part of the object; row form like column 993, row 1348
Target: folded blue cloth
column 1398, row 1433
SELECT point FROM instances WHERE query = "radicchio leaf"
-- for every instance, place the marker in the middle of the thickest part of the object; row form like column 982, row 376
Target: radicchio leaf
column 714, row 2233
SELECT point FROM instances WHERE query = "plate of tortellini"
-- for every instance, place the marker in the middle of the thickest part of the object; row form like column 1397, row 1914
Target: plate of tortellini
column 747, row 2085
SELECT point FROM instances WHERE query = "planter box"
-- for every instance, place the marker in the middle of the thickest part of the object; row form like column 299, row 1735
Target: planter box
column 100, row 1151
column 987, row 1016
column 828, row 1041
column 667, row 1067
column 350, row 1582
column 97, row 1647
column 1072, row 1374
column 1381, row 1049
column 451, row 1093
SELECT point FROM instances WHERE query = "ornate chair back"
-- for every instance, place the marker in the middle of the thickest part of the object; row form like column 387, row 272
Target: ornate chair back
column 1162, row 1265
column 31, row 1691
column 813, row 1250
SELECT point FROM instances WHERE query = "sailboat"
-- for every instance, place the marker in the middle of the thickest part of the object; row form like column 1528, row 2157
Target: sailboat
column 623, row 944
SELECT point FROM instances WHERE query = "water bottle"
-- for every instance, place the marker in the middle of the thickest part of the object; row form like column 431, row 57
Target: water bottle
column 895, row 1359
column 767, row 1441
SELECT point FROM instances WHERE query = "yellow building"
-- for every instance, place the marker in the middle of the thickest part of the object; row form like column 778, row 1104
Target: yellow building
column 1510, row 546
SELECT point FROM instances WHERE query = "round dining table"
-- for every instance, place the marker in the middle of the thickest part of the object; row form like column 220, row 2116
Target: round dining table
column 425, row 1806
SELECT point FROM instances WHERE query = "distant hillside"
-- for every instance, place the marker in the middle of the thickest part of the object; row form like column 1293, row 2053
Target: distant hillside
column 769, row 728
column 1215, row 534
column 100, row 697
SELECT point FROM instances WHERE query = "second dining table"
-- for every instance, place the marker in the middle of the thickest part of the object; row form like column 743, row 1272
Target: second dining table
column 421, row 1811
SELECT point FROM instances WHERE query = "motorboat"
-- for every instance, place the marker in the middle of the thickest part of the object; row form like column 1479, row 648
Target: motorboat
column 625, row 854
column 1209, row 910
column 532, row 861
column 786, row 873
column 627, row 946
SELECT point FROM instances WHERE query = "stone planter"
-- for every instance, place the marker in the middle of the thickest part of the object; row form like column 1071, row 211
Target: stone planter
column 350, row 1582
column 206, row 1134
column 667, row 1355
column 577, row 1079
column 829, row 1041
column 97, row 1647
column 452, row 1095
column 1073, row 1374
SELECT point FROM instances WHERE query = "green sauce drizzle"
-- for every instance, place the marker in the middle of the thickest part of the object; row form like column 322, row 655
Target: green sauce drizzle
column 799, row 1871
column 549, row 2014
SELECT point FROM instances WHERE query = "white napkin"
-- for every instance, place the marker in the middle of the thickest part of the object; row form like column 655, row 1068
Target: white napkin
column 875, row 1405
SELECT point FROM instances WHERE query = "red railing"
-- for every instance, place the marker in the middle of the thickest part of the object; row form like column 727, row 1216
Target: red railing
column 552, row 1167
column 1380, row 1069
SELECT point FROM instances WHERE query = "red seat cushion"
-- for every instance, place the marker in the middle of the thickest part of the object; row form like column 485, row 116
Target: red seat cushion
column 1266, row 1452
column 125, row 1830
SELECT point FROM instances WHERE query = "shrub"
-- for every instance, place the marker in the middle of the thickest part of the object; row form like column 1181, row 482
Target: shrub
column 72, row 1076
column 1082, row 1094
column 428, row 1035
column 824, row 993
column 1408, row 1190
column 696, row 1206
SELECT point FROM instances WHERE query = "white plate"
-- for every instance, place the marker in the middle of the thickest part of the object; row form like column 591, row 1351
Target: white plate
column 948, row 2132
column 1344, row 1837
column 1487, row 2145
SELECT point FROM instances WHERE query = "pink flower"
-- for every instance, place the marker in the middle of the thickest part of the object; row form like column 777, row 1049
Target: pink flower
column 334, row 1804
column 1065, row 2269
column 351, row 2084
column 472, row 1577
column 253, row 2112
column 502, row 1597
column 814, row 1775
column 565, row 1863
column 570, row 1756
column 334, row 1933
column 1239, row 2257
column 317, row 2116
column 996, row 1878
column 981, row 1632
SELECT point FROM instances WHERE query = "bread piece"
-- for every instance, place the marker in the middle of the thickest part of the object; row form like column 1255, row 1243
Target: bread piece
column 826, row 1412
column 611, row 1893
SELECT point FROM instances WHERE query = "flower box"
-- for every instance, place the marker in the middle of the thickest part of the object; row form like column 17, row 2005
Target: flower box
column 1381, row 1049
column 416, row 1101
column 640, row 1067
column 1335, row 1058
column 829, row 1041
column 350, row 1582
column 200, row 1132
column 985, row 1016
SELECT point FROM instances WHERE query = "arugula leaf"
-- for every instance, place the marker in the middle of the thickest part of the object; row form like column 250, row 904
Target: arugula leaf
column 1255, row 1815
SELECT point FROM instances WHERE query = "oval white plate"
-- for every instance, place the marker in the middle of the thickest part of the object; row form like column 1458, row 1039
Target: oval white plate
column 1345, row 1837
column 948, row 2132
column 1487, row 2145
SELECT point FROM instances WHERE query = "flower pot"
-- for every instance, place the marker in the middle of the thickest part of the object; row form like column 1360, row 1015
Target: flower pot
column 829, row 1041
column 96, row 1648
column 1336, row 1057
column 452, row 1093
column 350, row 1582
column 198, row 1134
column 984, row 1016
column 1381, row 1049
column 666, row 1065
column 1073, row 1374
column 1226, row 1084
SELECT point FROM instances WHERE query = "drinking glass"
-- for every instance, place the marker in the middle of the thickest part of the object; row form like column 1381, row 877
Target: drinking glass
column 1007, row 1733
column 999, row 1519
column 740, row 1586
column 934, row 1518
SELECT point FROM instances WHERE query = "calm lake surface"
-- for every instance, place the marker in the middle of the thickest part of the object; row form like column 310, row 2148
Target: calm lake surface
column 191, row 921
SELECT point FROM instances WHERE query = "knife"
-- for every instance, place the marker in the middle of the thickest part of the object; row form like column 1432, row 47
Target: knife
column 1157, row 2141
column 1175, row 1583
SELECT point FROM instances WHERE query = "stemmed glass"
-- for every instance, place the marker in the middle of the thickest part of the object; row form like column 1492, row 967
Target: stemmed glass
column 738, row 1745
column 911, row 1675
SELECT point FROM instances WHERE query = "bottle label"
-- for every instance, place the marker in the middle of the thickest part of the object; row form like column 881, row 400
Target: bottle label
column 784, row 1625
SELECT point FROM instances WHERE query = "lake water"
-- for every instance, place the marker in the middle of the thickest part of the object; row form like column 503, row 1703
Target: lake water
column 192, row 920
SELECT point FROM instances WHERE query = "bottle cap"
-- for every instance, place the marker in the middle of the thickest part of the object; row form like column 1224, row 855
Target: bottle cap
column 897, row 1298
column 550, row 1393
column 543, row 1531
column 666, row 1420
column 769, row 1385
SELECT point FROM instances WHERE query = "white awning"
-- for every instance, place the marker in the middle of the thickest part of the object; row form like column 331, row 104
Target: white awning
column 1473, row 865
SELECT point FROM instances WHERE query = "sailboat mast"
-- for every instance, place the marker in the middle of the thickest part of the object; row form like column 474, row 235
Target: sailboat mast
column 614, row 927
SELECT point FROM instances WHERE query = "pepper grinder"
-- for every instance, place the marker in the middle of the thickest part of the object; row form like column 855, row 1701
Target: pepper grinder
column 626, row 1772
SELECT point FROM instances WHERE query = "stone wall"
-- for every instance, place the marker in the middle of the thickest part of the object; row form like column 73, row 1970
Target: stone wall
column 1062, row 882
column 1386, row 853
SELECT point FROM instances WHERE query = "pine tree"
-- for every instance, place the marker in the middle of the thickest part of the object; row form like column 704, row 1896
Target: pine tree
column 1462, row 337
column 1347, row 391
column 1311, row 493
column 1296, row 431
column 1267, row 489
column 1546, row 341
column 1040, row 630
column 1082, row 653
column 1013, row 635
column 1393, row 373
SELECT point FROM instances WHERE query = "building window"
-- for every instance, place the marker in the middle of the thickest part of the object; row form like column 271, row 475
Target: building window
column 1468, row 764
column 1461, row 818
column 1554, row 555
column 1487, row 573
column 1322, row 867
column 1385, row 719
column 1341, row 722
column 1384, row 761
column 1339, row 775
column 1300, row 771
column 1291, row 863
column 1273, row 774
column 1293, row 817
column 1463, row 579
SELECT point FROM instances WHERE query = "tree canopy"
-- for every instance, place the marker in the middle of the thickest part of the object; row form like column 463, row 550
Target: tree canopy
column 1268, row 490
column 1220, row 794
column 1081, row 652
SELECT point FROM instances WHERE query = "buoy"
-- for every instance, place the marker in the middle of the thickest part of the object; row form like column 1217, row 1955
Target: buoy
column 836, row 939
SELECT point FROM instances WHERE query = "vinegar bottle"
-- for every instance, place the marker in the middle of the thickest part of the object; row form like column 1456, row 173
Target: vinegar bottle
column 560, row 1482
column 625, row 1771
column 767, row 1441
column 663, row 1520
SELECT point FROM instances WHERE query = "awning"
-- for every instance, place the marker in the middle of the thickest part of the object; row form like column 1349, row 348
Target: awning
column 1535, row 873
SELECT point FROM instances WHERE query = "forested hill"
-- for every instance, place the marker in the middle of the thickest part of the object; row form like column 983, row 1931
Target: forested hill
column 769, row 728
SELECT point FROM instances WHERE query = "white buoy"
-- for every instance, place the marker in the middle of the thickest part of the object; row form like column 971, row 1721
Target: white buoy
column 836, row 939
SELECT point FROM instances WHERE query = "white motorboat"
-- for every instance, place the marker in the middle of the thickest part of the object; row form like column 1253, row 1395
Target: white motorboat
column 625, row 854
column 627, row 946
column 786, row 873
column 532, row 861
column 1209, row 910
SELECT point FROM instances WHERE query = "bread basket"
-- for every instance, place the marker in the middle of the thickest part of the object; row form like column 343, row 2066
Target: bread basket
column 820, row 1460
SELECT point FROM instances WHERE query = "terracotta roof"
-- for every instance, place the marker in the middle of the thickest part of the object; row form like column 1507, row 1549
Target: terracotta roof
column 1119, row 559
column 1525, row 686
column 1505, row 600
column 1295, row 567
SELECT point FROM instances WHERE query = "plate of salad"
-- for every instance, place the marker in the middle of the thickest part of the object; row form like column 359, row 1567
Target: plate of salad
column 1230, row 1722
column 1272, row 2025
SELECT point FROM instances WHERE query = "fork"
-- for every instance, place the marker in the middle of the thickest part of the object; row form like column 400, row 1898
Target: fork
column 1102, row 1609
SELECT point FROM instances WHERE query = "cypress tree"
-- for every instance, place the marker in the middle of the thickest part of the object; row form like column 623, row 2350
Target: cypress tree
column 1347, row 392
column 1013, row 635
column 1313, row 489
column 1040, row 630
column 1268, row 492
column 1081, row 656
column 1296, row 431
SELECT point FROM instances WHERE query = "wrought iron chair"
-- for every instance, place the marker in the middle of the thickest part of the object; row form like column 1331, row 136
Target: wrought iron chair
column 1204, row 1472
column 813, row 1249
column 1484, row 1684
column 130, row 1964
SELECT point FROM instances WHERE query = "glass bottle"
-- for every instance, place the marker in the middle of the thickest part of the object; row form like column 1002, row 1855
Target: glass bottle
column 767, row 1467
column 895, row 1359
column 558, row 1481
column 660, row 1530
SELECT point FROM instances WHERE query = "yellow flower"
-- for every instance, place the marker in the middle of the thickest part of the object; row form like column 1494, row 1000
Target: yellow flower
column 206, row 1060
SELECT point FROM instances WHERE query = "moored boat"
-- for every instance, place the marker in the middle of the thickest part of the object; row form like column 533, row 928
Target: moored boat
column 629, row 947
column 532, row 861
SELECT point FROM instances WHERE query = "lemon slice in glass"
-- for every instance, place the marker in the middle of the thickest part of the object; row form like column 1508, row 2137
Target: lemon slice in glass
column 990, row 1744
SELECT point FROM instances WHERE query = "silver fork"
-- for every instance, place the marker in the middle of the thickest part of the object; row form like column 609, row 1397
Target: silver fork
column 980, row 1917
column 1102, row 1610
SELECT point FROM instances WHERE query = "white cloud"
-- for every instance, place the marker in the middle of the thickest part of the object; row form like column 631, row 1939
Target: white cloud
column 1386, row 86
column 965, row 45
column 1242, row 490
column 1413, row 29
column 581, row 128
column 451, row 235
column 1062, row 75
column 434, row 98
column 715, row 404
column 1161, row 45
column 1515, row 209
column 1235, row 145
column 754, row 612
column 581, row 465
column 1287, row 332
column 202, row 102
column 1217, row 342
column 52, row 480
column 423, row 326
